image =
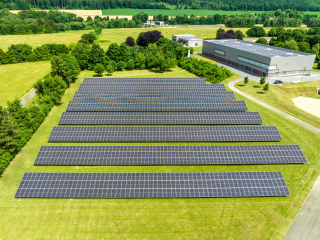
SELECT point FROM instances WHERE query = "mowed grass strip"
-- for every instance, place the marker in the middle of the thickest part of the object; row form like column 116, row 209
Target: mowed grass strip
column 281, row 97
column 211, row 218
column 35, row 40
column 17, row 79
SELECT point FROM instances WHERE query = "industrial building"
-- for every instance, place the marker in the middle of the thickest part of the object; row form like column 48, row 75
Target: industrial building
column 189, row 39
column 259, row 59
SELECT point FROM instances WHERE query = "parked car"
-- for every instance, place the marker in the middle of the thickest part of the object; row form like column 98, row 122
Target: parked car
column 277, row 82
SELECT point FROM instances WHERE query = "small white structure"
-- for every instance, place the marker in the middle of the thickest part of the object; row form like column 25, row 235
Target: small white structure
column 152, row 24
column 189, row 39
column 318, row 90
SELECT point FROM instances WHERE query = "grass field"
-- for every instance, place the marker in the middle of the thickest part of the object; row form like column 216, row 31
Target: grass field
column 35, row 40
column 212, row 218
column 17, row 79
column 281, row 97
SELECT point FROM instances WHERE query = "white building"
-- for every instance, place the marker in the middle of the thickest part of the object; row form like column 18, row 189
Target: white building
column 189, row 39
column 152, row 23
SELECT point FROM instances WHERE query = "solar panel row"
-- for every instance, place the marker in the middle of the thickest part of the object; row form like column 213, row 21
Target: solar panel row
column 160, row 118
column 154, row 107
column 169, row 155
column 152, row 185
column 165, row 134
column 197, row 81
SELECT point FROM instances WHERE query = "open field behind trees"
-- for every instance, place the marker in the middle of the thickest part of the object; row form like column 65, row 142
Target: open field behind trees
column 17, row 79
column 281, row 97
column 35, row 40
column 194, row 218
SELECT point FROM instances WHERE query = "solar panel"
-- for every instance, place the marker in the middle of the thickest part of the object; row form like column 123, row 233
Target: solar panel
column 151, row 91
column 98, row 88
column 150, row 99
column 159, row 118
column 168, row 155
column 150, row 95
column 154, row 107
column 165, row 134
column 152, row 185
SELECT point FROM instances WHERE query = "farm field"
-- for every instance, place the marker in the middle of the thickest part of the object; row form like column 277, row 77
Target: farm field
column 245, row 218
column 281, row 97
column 35, row 40
column 17, row 79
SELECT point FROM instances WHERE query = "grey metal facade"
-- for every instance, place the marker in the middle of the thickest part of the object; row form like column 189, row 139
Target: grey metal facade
column 259, row 59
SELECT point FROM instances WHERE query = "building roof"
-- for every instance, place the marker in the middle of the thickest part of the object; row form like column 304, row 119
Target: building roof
column 184, row 35
column 257, row 48
column 190, row 38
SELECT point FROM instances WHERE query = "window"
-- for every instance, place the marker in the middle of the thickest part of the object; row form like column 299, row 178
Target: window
column 220, row 52
column 196, row 44
column 284, row 72
column 248, row 69
column 303, row 71
column 257, row 63
column 230, row 63
column 276, row 74
column 264, row 74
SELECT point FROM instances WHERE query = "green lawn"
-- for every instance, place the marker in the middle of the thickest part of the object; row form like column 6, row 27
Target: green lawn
column 281, row 97
column 211, row 218
column 35, row 40
column 17, row 79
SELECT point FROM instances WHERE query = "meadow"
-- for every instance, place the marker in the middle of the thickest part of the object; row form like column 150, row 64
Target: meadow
column 35, row 40
column 17, row 79
column 245, row 218
column 281, row 97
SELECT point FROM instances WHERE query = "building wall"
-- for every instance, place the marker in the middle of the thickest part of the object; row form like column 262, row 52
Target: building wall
column 195, row 43
column 293, row 65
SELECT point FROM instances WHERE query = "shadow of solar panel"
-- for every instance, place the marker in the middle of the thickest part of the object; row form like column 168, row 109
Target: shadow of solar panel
column 160, row 118
column 233, row 106
column 88, row 81
column 152, row 185
column 168, row 155
column 165, row 134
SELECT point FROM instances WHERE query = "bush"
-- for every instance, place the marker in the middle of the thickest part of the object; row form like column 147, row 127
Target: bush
column 212, row 72
column 99, row 69
column 246, row 80
column 121, row 65
column 97, row 31
column 130, row 64
column 262, row 41
column 109, row 69
column 130, row 41
column 239, row 34
column 262, row 80
column 90, row 37
column 256, row 32
column 266, row 87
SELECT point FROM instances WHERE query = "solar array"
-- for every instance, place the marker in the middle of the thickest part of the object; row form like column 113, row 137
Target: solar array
column 160, row 118
column 152, row 185
column 165, row 134
column 154, row 101
column 156, row 106
column 168, row 155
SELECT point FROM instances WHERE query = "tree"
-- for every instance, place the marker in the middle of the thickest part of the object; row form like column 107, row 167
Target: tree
column 3, row 57
column 292, row 44
column 149, row 37
column 262, row 80
column 96, row 55
column 54, row 87
column 220, row 30
column 90, row 37
column 228, row 35
column 109, row 69
column 246, row 80
column 124, row 52
column 97, row 31
column 266, row 87
column 99, row 69
column 262, row 41
column 130, row 64
column 121, row 65
column 256, row 32
column 130, row 41
column 239, row 34
column 81, row 52
column 113, row 52
column 140, row 61
column 66, row 67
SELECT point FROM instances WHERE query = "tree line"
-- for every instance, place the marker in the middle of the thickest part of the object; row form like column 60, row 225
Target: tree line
column 229, row 5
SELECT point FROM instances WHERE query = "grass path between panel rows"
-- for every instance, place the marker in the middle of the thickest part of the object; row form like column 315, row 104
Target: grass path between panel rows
column 208, row 218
